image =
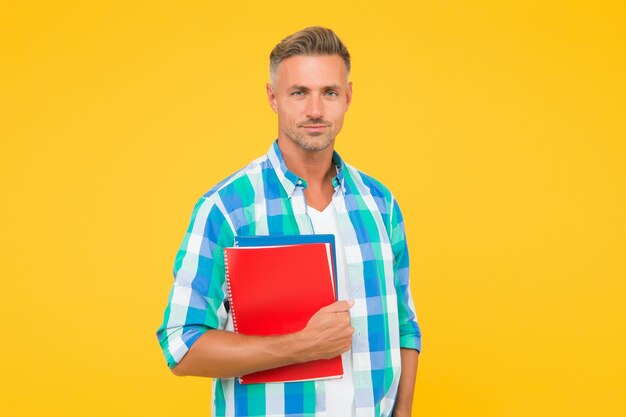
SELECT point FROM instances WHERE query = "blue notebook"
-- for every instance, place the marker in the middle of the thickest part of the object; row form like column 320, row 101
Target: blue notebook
column 280, row 240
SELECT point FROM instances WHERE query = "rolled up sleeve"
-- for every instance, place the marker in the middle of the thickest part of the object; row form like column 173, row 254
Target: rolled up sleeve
column 410, row 334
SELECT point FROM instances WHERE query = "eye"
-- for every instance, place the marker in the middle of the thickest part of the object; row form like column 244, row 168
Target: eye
column 298, row 93
column 332, row 93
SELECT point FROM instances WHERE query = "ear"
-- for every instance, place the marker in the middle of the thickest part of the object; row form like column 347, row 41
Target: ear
column 271, row 97
column 348, row 95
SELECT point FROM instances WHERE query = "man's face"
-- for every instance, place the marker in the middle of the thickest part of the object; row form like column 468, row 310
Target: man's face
column 311, row 95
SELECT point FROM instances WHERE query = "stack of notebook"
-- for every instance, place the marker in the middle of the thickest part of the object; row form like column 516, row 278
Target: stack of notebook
column 275, row 285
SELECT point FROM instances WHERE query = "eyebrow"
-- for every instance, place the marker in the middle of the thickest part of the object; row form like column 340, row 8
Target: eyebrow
column 304, row 88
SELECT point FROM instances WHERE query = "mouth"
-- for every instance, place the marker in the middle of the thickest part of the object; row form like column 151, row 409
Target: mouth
column 314, row 127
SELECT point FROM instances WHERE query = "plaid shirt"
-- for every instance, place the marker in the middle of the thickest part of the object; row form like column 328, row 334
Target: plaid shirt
column 266, row 198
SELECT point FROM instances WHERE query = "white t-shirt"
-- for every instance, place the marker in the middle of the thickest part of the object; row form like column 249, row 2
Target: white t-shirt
column 339, row 392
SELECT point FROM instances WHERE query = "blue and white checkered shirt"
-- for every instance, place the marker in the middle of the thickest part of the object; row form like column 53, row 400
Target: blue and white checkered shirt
column 265, row 198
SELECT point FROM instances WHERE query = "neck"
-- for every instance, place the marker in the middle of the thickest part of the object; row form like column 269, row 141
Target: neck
column 314, row 166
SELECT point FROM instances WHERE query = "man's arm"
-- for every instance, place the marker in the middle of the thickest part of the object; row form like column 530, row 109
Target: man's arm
column 191, row 336
column 410, row 334
column 406, row 388
column 223, row 354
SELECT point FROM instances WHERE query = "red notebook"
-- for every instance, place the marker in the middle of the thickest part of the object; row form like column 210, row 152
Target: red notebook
column 275, row 290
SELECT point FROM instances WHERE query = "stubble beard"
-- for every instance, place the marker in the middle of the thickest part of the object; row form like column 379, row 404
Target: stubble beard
column 313, row 143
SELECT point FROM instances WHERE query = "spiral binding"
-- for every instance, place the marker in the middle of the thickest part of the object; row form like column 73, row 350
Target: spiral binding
column 230, row 293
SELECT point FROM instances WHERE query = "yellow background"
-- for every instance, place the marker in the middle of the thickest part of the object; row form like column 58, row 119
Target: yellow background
column 498, row 125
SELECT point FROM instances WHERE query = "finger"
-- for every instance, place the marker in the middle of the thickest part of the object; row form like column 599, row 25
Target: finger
column 338, row 306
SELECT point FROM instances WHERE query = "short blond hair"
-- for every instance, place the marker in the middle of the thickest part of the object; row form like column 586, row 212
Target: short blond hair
column 314, row 40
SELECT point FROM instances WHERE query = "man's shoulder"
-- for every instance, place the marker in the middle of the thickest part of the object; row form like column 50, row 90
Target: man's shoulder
column 379, row 193
column 236, row 184
column 373, row 186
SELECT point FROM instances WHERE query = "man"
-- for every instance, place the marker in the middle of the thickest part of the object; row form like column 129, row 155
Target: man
column 301, row 187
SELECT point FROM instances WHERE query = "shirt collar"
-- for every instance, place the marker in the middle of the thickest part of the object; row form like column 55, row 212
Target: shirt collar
column 291, row 181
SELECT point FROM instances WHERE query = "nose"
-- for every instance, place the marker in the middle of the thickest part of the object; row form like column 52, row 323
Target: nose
column 315, row 107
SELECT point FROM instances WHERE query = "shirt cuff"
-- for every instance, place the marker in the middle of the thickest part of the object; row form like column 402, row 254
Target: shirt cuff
column 411, row 341
column 178, row 342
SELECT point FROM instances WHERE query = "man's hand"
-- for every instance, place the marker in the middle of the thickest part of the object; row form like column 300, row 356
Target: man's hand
column 329, row 331
column 224, row 354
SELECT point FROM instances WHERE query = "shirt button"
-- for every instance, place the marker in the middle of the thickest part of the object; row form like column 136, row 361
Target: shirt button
column 299, row 182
